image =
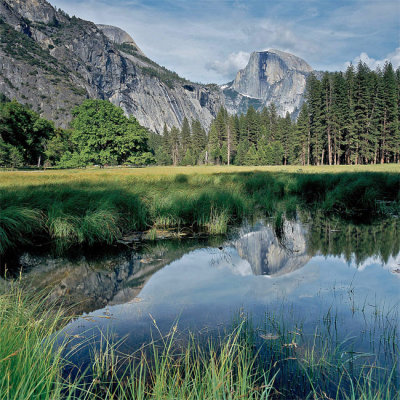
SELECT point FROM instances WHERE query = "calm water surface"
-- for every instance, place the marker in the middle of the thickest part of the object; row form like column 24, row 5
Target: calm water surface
column 257, row 273
column 345, row 277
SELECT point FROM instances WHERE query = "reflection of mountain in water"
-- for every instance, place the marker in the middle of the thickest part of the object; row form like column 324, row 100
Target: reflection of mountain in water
column 268, row 255
column 88, row 285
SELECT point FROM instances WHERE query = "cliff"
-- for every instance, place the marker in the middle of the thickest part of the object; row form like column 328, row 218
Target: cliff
column 53, row 62
column 271, row 76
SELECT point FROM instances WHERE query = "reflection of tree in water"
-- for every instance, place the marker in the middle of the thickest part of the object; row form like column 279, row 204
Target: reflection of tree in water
column 219, row 255
column 354, row 242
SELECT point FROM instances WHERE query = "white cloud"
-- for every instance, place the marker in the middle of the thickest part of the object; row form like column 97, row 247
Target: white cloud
column 393, row 57
column 230, row 65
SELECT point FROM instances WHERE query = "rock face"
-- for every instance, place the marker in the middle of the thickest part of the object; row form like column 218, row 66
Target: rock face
column 267, row 255
column 119, row 36
column 53, row 62
column 271, row 76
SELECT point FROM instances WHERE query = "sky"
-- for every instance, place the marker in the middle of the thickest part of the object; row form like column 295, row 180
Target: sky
column 208, row 41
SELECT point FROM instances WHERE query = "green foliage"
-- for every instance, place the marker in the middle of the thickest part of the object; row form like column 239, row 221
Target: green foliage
column 350, row 118
column 103, row 135
column 58, row 146
column 23, row 135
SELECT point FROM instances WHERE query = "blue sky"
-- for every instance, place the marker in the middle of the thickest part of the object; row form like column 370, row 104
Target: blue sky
column 209, row 40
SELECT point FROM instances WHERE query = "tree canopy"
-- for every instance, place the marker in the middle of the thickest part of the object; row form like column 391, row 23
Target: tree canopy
column 103, row 135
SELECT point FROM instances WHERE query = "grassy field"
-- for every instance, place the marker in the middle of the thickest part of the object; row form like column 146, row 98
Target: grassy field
column 101, row 205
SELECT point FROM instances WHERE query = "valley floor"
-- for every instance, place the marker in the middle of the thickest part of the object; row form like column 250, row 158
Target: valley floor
column 90, row 206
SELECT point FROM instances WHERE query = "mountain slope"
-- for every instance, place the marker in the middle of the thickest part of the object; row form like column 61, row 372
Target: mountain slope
column 271, row 76
column 53, row 62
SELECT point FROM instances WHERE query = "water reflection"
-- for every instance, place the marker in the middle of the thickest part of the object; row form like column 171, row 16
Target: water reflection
column 269, row 255
column 308, row 270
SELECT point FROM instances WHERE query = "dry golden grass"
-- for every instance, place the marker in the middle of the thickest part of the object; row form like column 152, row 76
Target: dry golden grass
column 17, row 178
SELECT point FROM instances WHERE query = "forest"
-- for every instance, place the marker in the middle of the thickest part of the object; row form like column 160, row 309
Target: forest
column 347, row 118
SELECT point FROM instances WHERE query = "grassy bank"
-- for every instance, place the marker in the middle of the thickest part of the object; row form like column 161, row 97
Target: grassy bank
column 274, row 362
column 100, row 206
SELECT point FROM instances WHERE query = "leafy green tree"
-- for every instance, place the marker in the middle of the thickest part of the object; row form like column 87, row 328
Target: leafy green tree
column 104, row 135
column 23, row 129
column 58, row 145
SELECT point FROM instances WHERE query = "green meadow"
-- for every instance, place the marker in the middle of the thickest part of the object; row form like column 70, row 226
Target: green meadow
column 91, row 206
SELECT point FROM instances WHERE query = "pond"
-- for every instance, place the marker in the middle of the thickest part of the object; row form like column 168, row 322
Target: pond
column 334, row 278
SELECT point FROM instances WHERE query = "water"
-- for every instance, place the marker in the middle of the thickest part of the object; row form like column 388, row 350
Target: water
column 339, row 278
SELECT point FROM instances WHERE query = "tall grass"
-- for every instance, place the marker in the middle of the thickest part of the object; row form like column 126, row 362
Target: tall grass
column 29, row 366
column 88, row 207
column 277, row 361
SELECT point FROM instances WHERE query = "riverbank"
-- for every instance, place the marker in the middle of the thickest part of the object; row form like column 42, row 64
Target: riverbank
column 87, row 207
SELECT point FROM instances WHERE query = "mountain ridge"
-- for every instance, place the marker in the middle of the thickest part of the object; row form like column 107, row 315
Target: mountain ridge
column 270, row 76
column 53, row 62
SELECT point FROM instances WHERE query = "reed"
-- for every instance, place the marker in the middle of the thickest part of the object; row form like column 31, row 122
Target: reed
column 277, row 360
column 89, row 207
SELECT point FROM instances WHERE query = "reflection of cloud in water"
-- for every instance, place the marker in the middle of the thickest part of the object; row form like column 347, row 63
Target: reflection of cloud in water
column 205, row 287
column 392, row 264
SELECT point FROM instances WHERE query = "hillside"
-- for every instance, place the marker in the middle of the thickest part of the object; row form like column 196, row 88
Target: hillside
column 53, row 62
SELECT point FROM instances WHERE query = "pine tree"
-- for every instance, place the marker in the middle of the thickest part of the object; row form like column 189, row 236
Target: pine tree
column 175, row 144
column 326, row 116
column 165, row 157
column 302, row 137
column 391, row 142
column 339, row 112
column 313, row 96
column 185, row 138
column 349, row 135
column 251, row 157
column 199, row 140
column 287, row 139
column 214, row 147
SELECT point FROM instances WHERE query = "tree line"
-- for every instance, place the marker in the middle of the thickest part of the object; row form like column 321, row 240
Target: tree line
column 347, row 118
column 99, row 134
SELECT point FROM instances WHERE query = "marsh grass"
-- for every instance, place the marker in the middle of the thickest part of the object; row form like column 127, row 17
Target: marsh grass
column 89, row 207
column 277, row 360
column 29, row 366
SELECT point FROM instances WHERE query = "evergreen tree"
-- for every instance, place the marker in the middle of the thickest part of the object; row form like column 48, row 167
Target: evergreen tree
column 186, row 136
column 391, row 142
column 174, row 144
column 199, row 141
column 302, row 137
column 313, row 96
